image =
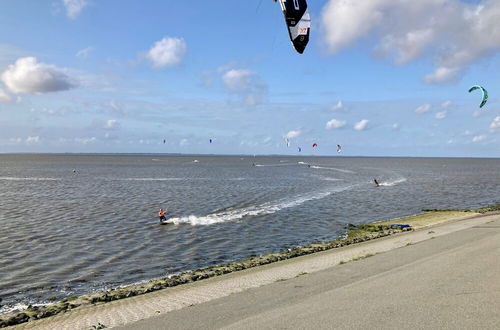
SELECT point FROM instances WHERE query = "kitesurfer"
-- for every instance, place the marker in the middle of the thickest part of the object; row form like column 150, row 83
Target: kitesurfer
column 376, row 182
column 161, row 214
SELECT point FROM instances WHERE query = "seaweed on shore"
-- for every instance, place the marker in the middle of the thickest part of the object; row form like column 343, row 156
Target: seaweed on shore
column 448, row 210
column 494, row 208
column 482, row 210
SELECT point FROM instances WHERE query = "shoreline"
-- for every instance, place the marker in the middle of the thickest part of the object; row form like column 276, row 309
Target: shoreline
column 355, row 234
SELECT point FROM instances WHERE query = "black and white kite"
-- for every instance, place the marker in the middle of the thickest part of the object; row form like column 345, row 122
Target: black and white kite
column 298, row 22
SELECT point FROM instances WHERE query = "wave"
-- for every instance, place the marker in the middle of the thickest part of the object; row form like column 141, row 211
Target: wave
column 236, row 179
column 392, row 183
column 10, row 178
column 332, row 169
column 272, row 165
column 257, row 210
column 331, row 179
column 19, row 307
column 154, row 179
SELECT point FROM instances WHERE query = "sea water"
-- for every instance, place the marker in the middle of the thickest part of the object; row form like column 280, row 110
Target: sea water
column 74, row 224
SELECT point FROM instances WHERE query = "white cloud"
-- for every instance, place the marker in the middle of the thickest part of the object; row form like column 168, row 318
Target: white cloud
column 248, row 143
column 337, row 106
column 85, row 140
column 423, row 109
column 478, row 138
column 495, row 124
column 111, row 124
column 468, row 133
column 453, row 33
column 334, row 124
column 446, row 104
column 237, row 80
column 293, row 134
column 441, row 75
column 84, row 53
column 441, row 115
column 4, row 97
column 45, row 111
column 27, row 76
column 30, row 140
column 396, row 126
column 361, row 125
column 246, row 84
column 74, row 7
column 167, row 52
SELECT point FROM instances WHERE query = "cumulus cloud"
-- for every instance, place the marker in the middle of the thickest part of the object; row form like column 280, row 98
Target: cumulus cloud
column 453, row 33
column 495, row 124
column 334, row 124
column 168, row 52
column 293, row 134
column 246, row 84
column 441, row 115
column 85, row 140
column 111, row 124
column 445, row 104
column 84, row 53
column 361, row 125
column 74, row 7
column 30, row 140
column 4, row 97
column 28, row 76
column 478, row 138
column 423, row 109
column 237, row 80
column 337, row 106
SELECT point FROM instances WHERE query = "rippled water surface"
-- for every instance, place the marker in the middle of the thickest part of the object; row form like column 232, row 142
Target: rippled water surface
column 66, row 232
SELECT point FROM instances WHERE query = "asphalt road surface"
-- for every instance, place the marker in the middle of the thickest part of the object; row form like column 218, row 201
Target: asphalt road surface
column 450, row 282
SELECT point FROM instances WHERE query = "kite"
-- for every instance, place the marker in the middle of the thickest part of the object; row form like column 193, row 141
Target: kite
column 298, row 22
column 485, row 94
column 339, row 148
column 315, row 145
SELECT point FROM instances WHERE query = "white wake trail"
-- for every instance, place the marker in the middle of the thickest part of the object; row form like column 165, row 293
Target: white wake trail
column 257, row 210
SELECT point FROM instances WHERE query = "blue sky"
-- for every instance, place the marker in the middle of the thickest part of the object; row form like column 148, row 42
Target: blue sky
column 379, row 77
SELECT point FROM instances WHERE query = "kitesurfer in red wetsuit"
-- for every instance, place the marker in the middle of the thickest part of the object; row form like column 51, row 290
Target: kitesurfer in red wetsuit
column 161, row 214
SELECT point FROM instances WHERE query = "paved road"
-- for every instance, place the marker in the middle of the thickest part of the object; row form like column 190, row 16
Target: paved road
column 450, row 282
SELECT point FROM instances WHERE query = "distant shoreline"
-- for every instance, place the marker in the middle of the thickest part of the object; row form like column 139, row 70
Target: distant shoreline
column 229, row 155
column 355, row 234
